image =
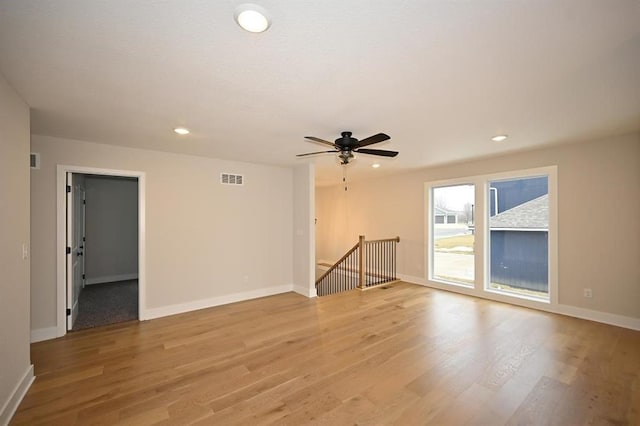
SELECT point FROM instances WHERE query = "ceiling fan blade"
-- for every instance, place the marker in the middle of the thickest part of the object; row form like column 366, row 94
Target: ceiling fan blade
column 382, row 152
column 314, row 153
column 380, row 137
column 322, row 141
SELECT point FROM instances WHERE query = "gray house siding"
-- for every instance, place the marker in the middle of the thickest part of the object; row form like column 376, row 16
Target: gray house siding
column 512, row 193
column 520, row 259
column 520, row 247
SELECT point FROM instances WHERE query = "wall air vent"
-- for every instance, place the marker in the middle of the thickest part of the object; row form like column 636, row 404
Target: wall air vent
column 34, row 160
column 231, row 179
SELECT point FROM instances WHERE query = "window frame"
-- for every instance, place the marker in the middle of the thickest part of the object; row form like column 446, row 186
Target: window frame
column 482, row 239
column 430, row 240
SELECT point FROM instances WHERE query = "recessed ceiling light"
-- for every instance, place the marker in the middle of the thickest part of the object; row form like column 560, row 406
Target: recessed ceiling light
column 375, row 165
column 252, row 18
column 499, row 138
column 181, row 131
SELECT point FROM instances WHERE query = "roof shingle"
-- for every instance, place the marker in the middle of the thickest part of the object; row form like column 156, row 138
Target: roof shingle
column 533, row 214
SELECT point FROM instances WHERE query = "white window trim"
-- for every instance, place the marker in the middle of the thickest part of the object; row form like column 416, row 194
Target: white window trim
column 481, row 183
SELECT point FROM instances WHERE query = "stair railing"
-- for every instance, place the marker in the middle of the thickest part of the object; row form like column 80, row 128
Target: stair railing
column 367, row 264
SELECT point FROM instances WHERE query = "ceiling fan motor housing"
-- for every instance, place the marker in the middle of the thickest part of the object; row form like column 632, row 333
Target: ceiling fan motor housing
column 346, row 140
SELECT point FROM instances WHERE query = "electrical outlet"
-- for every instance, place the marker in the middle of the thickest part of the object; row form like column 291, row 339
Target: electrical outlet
column 587, row 293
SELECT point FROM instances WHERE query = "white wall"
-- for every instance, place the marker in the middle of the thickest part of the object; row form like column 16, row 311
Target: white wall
column 16, row 372
column 304, row 232
column 206, row 243
column 111, row 248
column 598, row 210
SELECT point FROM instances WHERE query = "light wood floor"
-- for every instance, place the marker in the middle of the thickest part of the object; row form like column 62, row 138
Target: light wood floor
column 403, row 355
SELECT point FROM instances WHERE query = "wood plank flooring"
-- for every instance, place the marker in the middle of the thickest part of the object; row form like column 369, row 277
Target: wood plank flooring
column 399, row 355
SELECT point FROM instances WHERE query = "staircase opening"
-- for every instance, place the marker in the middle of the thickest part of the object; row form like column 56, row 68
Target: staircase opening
column 367, row 264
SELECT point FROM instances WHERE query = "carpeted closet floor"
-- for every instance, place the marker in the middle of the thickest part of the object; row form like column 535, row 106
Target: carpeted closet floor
column 107, row 303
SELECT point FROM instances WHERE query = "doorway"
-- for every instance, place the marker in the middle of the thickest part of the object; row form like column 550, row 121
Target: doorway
column 102, row 234
column 101, row 228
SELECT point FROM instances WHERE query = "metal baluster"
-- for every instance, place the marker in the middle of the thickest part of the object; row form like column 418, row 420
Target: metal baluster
column 379, row 260
column 390, row 260
column 350, row 276
column 391, row 264
column 340, row 279
column 395, row 245
column 374, row 259
column 354, row 274
column 368, row 260
column 381, row 265
column 386, row 261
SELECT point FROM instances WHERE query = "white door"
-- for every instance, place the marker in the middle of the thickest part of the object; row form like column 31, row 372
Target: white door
column 75, row 246
column 83, row 234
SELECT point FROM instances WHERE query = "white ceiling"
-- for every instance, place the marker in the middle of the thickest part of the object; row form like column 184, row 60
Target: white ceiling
column 439, row 76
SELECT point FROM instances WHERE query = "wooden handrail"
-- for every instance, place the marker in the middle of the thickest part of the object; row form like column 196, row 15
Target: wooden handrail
column 384, row 240
column 335, row 265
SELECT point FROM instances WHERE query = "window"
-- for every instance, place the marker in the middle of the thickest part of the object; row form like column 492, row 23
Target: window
column 453, row 238
column 495, row 235
column 518, row 234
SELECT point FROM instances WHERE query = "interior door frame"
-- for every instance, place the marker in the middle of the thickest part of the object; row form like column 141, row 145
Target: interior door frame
column 61, row 241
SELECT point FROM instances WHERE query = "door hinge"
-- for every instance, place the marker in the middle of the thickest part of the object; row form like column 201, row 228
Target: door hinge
column 68, row 250
column 84, row 239
column 84, row 201
column 68, row 188
column 83, row 277
column 68, row 311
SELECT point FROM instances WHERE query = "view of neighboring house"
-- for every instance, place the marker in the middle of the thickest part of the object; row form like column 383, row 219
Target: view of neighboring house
column 519, row 245
column 444, row 216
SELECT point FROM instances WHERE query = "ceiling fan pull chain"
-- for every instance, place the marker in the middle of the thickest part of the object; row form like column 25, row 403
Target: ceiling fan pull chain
column 344, row 176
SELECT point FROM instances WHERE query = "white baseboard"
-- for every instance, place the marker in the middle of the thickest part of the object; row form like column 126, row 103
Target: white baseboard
column 568, row 310
column 111, row 278
column 40, row 334
column 598, row 316
column 305, row 291
column 411, row 279
column 164, row 311
column 11, row 405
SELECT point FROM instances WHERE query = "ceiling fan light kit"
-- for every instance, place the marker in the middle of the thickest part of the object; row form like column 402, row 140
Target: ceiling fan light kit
column 347, row 145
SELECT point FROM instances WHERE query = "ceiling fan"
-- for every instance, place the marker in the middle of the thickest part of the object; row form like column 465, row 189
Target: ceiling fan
column 347, row 145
